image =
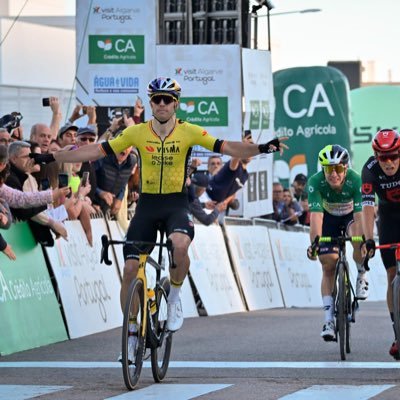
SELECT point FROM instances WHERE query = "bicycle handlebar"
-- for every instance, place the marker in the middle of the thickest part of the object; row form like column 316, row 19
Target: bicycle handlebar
column 105, row 242
column 391, row 246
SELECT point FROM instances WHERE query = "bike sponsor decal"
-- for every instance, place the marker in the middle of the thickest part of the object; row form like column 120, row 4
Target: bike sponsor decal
column 366, row 188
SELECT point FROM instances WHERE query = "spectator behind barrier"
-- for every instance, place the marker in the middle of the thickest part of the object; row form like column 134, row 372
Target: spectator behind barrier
column 199, row 183
column 297, row 188
column 5, row 137
column 293, row 209
column 67, row 135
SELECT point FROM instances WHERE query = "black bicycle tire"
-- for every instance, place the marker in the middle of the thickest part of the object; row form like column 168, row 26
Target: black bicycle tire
column 348, row 311
column 396, row 307
column 341, row 310
column 159, row 367
column 131, row 372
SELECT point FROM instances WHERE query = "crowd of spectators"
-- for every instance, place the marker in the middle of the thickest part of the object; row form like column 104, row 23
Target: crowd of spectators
column 47, row 195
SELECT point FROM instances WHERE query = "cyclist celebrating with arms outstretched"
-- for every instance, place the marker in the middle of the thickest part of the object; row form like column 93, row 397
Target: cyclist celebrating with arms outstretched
column 164, row 145
column 381, row 178
column 334, row 197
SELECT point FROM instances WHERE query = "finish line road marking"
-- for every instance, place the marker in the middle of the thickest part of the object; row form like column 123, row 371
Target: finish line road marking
column 208, row 365
column 169, row 392
column 334, row 392
column 23, row 392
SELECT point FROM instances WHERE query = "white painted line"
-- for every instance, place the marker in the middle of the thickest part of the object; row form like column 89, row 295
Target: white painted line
column 169, row 392
column 334, row 392
column 23, row 392
column 208, row 364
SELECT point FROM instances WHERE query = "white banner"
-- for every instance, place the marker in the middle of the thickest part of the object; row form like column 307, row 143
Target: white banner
column 254, row 264
column 211, row 86
column 188, row 303
column 212, row 273
column 116, row 47
column 300, row 278
column 89, row 290
column 258, row 91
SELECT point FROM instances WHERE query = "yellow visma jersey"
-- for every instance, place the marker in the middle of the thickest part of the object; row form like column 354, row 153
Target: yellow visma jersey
column 163, row 164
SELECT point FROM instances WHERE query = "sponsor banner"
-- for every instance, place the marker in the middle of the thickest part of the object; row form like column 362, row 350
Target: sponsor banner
column 29, row 311
column 312, row 109
column 254, row 264
column 212, row 273
column 372, row 108
column 259, row 118
column 116, row 48
column 299, row 277
column 89, row 290
column 211, row 86
column 188, row 303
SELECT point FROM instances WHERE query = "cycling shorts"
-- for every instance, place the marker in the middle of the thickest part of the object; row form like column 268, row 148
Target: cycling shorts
column 388, row 225
column 169, row 211
column 331, row 226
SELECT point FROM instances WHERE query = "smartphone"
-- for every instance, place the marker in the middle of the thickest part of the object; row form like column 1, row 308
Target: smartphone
column 84, row 110
column 45, row 184
column 85, row 178
column 62, row 180
column 247, row 133
column 46, row 102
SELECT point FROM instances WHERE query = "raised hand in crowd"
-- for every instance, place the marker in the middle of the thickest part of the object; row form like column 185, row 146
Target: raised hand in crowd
column 138, row 109
column 58, row 228
column 76, row 114
column 8, row 251
column 107, row 197
column 91, row 113
column 56, row 116
column 60, row 194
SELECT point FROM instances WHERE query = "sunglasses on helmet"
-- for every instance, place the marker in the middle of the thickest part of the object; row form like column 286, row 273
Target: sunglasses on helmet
column 160, row 97
column 339, row 168
column 388, row 157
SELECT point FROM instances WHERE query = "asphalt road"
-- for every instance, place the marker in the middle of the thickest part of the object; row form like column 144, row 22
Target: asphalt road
column 269, row 354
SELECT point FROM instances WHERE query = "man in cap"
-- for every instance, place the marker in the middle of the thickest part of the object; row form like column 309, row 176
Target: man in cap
column 67, row 135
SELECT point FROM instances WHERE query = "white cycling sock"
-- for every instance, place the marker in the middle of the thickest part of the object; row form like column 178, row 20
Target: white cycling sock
column 327, row 302
column 174, row 294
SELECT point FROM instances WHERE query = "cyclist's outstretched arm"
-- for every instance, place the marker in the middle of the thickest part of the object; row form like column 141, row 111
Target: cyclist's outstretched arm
column 316, row 219
column 368, row 219
column 245, row 150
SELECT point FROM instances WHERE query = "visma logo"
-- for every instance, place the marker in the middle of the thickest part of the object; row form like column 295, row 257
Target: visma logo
column 105, row 45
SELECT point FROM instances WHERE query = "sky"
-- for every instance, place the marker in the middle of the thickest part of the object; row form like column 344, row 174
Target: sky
column 344, row 30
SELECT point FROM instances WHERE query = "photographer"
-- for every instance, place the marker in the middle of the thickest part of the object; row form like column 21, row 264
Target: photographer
column 10, row 128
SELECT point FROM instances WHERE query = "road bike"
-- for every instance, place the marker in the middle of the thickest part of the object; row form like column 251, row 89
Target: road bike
column 148, row 308
column 395, row 287
column 345, row 301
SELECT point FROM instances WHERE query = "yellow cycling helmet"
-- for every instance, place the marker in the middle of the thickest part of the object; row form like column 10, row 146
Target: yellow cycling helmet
column 333, row 154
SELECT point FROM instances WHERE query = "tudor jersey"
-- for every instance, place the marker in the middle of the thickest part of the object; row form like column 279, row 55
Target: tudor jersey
column 375, row 181
column 163, row 164
column 321, row 197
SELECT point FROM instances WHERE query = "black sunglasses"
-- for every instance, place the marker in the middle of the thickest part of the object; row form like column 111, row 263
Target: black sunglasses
column 166, row 99
column 87, row 139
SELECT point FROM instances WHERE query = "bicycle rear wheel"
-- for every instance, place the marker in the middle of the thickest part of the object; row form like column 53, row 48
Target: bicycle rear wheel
column 396, row 307
column 161, row 353
column 341, row 316
column 134, row 306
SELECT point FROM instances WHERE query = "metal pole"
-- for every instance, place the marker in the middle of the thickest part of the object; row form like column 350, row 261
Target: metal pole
column 269, row 30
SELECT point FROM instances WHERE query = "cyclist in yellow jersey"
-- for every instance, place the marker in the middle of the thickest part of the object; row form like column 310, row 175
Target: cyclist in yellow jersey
column 164, row 145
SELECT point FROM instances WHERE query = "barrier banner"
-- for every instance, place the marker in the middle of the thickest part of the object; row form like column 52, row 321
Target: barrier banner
column 299, row 277
column 188, row 303
column 254, row 264
column 258, row 93
column 29, row 311
column 312, row 109
column 211, row 272
column 89, row 290
column 115, row 50
column 372, row 108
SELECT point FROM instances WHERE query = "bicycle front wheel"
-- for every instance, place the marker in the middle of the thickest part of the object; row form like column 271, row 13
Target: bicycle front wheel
column 133, row 345
column 348, row 311
column 396, row 307
column 341, row 316
column 161, row 353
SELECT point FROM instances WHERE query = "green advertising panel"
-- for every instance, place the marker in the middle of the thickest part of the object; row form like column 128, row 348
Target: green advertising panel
column 204, row 111
column 29, row 311
column 372, row 108
column 312, row 109
column 116, row 49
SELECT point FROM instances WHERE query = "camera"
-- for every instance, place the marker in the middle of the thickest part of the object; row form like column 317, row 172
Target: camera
column 11, row 121
column 46, row 102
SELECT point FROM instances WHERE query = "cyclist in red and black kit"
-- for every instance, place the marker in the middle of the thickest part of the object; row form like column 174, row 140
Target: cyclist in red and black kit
column 381, row 177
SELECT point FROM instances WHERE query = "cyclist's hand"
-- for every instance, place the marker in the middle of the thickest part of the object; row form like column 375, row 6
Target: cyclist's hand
column 370, row 246
column 42, row 158
column 312, row 252
column 274, row 145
